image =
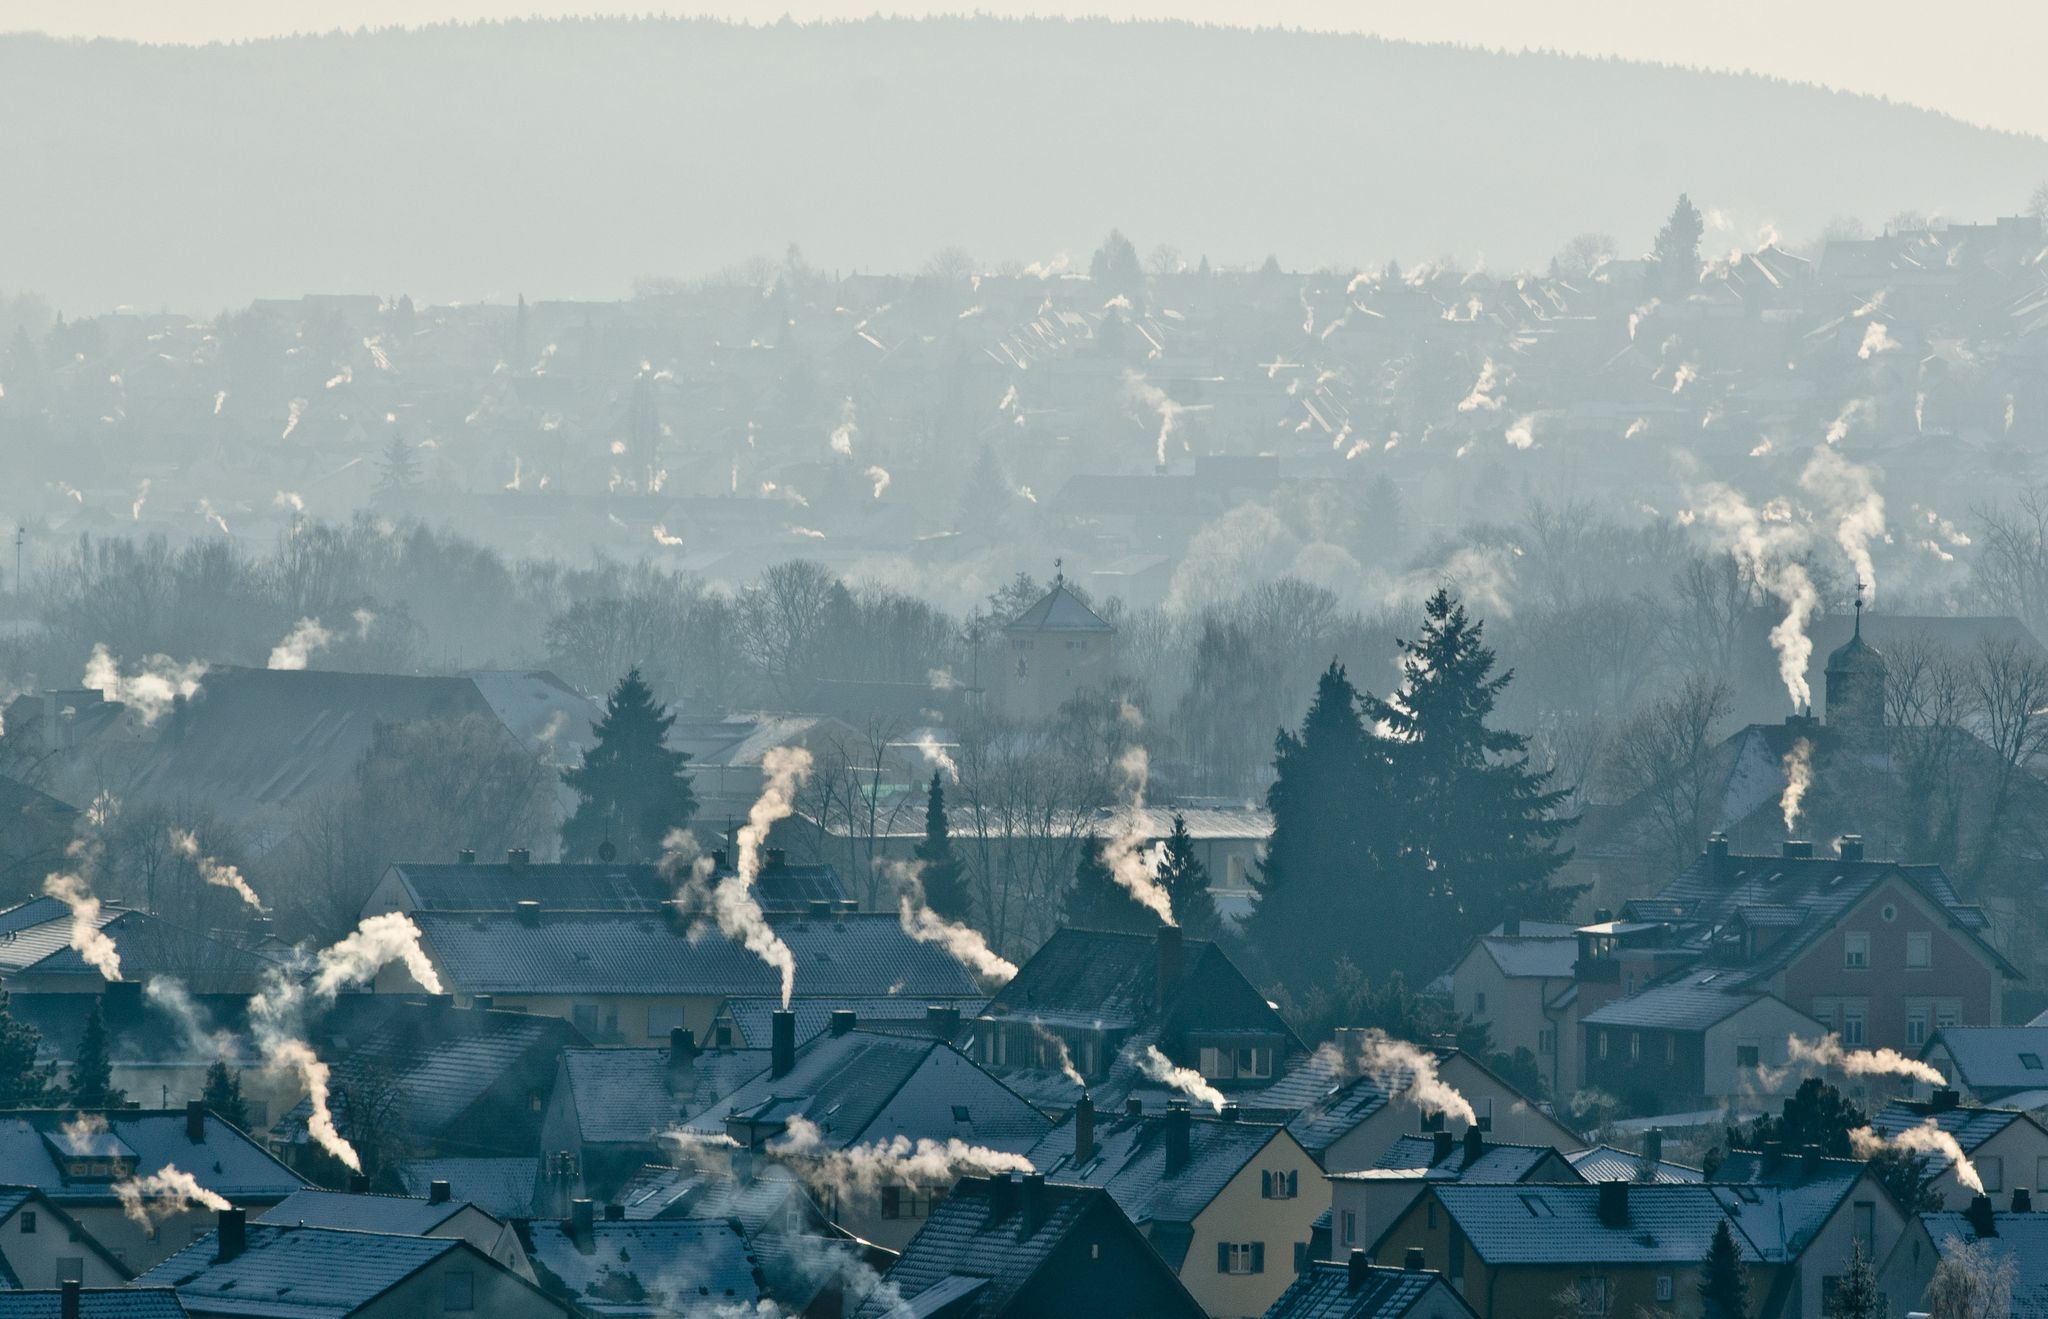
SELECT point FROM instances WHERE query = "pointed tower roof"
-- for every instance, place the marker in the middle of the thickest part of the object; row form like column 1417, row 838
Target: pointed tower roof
column 1059, row 610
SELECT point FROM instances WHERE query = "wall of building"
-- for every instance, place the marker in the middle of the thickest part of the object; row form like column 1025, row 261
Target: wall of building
column 1037, row 671
column 1768, row 1025
column 1956, row 975
column 1827, row 1255
column 1240, row 1213
column 1649, row 1070
column 1514, row 1008
column 495, row 1292
column 641, row 1019
column 1510, row 1119
column 51, row 1253
column 1373, row 1205
column 2017, row 1156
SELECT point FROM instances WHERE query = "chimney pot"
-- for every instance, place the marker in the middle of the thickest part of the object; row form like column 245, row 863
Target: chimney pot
column 195, row 1121
column 1440, row 1145
column 437, row 1192
column 1356, row 1270
column 1134, row 1107
column 517, row 856
column 776, row 858
column 1475, row 1145
column 2022, row 1200
column 231, row 1234
column 1084, row 1130
column 1983, row 1219
column 1614, row 1203
column 1171, row 958
column 1033, row 1190
column 70, row 1301
column 1798, row 849
column 1717, row 847
column 781, row 1043
column 1653, row 1145
column 942, row 1020
column 843, row 1020
column 1227, row 1113
column 1412, row 1262
column 820, row 908
column 466, row 857
column 1942, row 1099
column 1177, row 1124
column 529, row 912
column 1850, row 847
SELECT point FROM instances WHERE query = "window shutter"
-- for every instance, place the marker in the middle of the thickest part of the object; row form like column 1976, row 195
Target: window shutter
column 1223, row 1257
column 1293, row 1184
column 1258, row 1257
column 1266, row 1185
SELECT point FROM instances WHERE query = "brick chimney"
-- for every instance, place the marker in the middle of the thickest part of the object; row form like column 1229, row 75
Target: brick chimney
column 529, row 912
column 358, row 1184
column 1717, row 852
column 1798, row 849
column 1475, row 1145
column 1614, row 1203
column 1849, row 847
column 517, row 856
column 1441, row 1143
column 1177, row 1124
column 1356, row 1270
column 1171, row 963
column 1134, row 1107
column 1035, row 1201
column 70, row 1302
column 1983, row 1220
column 1653, row 1145
column 438, row 1192
column 1002, row 1196
column 582, row 1224
column 1084, row 1130
column 466, row 857
column 781, row 1043
column 1942, row 1099
column 2022, row 1200
column 1228, row 1113
column 842, row 1020
column 1414, row 1260
column 231, row 1234
column 942, row 1020
column 195, row 1121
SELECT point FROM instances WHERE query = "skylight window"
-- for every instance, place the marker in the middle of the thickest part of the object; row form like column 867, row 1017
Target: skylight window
column 2031, row 1061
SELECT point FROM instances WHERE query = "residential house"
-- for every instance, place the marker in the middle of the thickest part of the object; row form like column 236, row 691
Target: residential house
column 35, row 828
column 1017, row 1247
column 644, row 1269
column 1614, row 1249
column 41, row 1246
column 1605, row 1163
column 1357, row 1289
column 436, row 1214
column 433, row 1079
column 1220, row 1199
column 851, row 1088
column 74, row 1302
column 2002, row 1065
column 246, row 1270
column 1688, row 1043
column 629, row 978
column 2006, row 1147
column 1807, row 1212
column 74, row 1160
column 467, row 884
column 1088, row 1000
column 1510, row 979
column 1057, row 647
column 1365, row 1203
column 2018, row 1236
column 745, row 1021
column 502, row 1188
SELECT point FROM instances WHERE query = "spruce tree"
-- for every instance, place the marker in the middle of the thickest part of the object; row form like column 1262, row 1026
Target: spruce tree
column 634, row 789
column 1677, row 251
column 1186, row 881
column 92, row 1072
column 1857, row 1295
column 1724, row 1283
column 1311, row 904
column 1815, row 1114
column 1097, row 902
column 23, row 1082
column 398, row 470
column 1478, row 826
column 223, row 1095
column 945, row 879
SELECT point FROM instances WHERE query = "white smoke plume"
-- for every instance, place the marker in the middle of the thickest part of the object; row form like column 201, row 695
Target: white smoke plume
column 863, row 1169
column 739, row 916
column 1855, row 410
column 220, row 397
column 372, row 945
column 289, row 499
column 306, row 637
column 1876, row 339
column 1062, row 1057
column 1763, row 545
column 1685, row 375
column 880, row 476
column 1162, row 1070
column 1850, row 495
column 1927, row 1138
column 1123, row 853
column 1798, row 766
column 940, row 680
column 220, row 874
column 843, row 433
column 151, row 689
column 942, row 760
column 164, row 1194
column 1521, row 433
column 921, row 923
column 1829, row 1052
column 1138, row 388
column 141, row 496
column 662, row 537
column 90, row 941
column 169, row 993
column 1483, row 398
column 1411, row 1073
column 295, row 410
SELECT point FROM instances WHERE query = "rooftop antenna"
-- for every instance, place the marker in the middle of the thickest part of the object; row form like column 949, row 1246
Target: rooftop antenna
column 1859, row 611
column 1059, row 574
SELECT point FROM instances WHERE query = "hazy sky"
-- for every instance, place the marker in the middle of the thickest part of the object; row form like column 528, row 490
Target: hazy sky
column 1976, row 59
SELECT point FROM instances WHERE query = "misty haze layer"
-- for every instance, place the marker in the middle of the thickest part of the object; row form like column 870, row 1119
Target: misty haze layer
column 565, row 159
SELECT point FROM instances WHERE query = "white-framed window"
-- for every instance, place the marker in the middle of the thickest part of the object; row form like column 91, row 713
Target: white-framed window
column 1948, row 1012
column 1991, row 1171
column 1241, row 1257
column 1916, row 1023
column 1350, row 1227
column 1919, row 949
column 1856, row 951
column 1665, row 1287
column 1228, row 1064
column 1852, row 1024
column 1592, row 1295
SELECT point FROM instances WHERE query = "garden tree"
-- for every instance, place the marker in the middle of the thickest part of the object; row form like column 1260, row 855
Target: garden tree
column 1582, row 254
column 1115, row 268
column 23, row 1084
column 1857, row 1295
column 1677, row 250
column 1972, row 1281
column 1348, row 997
column 92, row 1072
column 1908, row 1176
column 1097, row 902
column 1312, row 906
column 398, row 470
column 1815, row 1114
column 1665, row 752
column 1186, row 881
column 634, row 789
column 1724, row 1282
column 945, row 878
column 1478, row 828
column 223, row 1095
column 785, row 618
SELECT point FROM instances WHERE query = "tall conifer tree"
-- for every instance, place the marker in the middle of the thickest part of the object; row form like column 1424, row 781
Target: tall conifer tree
column 634, row 789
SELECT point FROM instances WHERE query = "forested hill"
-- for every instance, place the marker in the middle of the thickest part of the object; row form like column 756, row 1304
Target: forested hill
column 565, row 158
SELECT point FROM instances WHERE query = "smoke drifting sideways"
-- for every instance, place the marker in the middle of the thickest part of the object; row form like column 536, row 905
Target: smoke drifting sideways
column 923, row 924
column 277, row 1010
column 169, row 1191
column 1162, row 1070
column 1927, row 1138
column 860, row 1170
column 1829, row 1052
column 217, row 873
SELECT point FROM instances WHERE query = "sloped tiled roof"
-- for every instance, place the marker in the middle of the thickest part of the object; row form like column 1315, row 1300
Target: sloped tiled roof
column 622, row 1095
column 1130, row 1161
column 865, row 1086
column 1692, row 1002
column 95, row 1303
column 1325, row 1291
column 610, row 886
column 1535, row 957
column 1783, row 1202
column 408, row 1215
column 227, row 1163
column 1995, row 1061
column 1605, row 1163
column 864, row 955
column 1058, row 610
column 2021, row 1238
column 751, row 1015
column 502, row 1188
column 645, row 1268
column 1497, row 1163
column 297, row 1272
column 1551, row 1224
column 1969, row 1124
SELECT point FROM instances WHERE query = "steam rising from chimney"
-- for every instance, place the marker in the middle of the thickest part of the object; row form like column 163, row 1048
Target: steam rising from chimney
column 1850, row 494
column 863, row 1169
column 1162, row 1070
column 1763, row 545
column 90, row 941
column 1062, row 1058
column 1123, row 853
column 733, row 903
column 933, row 750
column 165, row 1193
column 1798, row 778
column 880, row 476
column 299, row 644
column 923, row 924
column 150, row 691
column 217, row 873
column 1927, row 1138
column 1411, row 1073
column 1861, row 1062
